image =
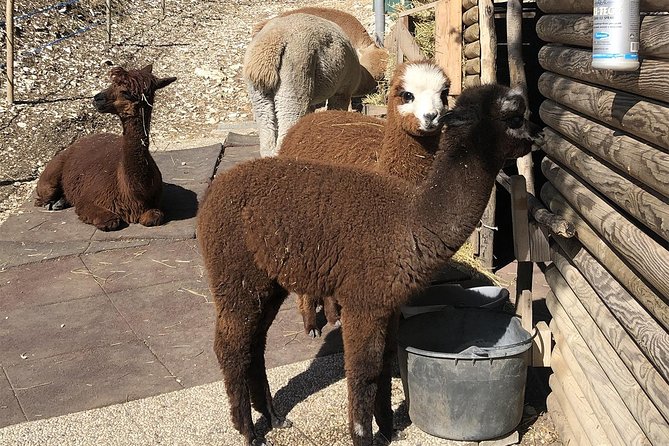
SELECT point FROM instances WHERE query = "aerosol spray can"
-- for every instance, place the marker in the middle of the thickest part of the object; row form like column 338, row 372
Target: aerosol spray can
column 615, row 35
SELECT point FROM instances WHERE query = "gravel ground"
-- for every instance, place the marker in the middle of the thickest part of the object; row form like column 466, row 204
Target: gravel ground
column 201, row 42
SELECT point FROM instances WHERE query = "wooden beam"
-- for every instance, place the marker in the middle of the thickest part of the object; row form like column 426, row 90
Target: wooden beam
column 648, row 257
column 471, row 16
column 611, row 260
column 562, row 425
column 417, row 9
column 473, row 50
column 585, row 6
column 620, row 403
column 542, row 346
column 640, row 161
column 519, row 218
column 448, row 41
column 576, row 30
column 635, row 115
column 406, row 44
column 472, row 81
column 468, row 4
column 579, row 389
column 471, row 33
column 648, row 81
column 473, row 66
column 646, row 207
column 488, row 40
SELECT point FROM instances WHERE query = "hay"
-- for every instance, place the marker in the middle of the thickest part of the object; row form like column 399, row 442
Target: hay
column 465, row 261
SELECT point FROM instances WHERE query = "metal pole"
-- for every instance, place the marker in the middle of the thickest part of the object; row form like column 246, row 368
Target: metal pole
column 9, row 33
column 108, row 21
column 379, row 21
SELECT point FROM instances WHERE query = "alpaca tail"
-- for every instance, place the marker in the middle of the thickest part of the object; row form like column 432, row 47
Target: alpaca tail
column 263, row 59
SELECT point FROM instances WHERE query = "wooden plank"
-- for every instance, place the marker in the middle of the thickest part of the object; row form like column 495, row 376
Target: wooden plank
column 468, row 4
column 488, row 40
column 542, row 346
column 539, row 251
column 407, row 45
column 646, row 207
column 617, row 402
column 519, row 218
column 473, row 50
column 633, row 114
column 585, row 6
column 573, row 415
column 473, row 66
column 471, row 16
column 648, row 257
column 574, row 29
column 640, row 161
column 575, row 383
column 472, row 81
column 649, row 80
column 417, row 9
column 448, row 41
column 524, row 310
column 642, row 408
column 600, row 250
column 585, row 306
column 471, row 33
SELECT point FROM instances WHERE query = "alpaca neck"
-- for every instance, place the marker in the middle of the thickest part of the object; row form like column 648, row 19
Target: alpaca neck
column 450, row 202
column 403, row 155
column 136, row 143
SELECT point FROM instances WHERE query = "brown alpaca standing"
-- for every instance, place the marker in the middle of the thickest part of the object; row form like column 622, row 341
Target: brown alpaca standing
column 111, row 179
column 369, row 240
column 404, row 145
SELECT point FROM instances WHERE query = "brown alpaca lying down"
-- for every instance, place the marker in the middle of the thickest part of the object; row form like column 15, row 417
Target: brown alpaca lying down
column 275, row 225
column 111, row 179
column 404, row 145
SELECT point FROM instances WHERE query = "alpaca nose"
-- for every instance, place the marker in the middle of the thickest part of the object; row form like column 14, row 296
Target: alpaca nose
column 99, row 97
column 430, row 116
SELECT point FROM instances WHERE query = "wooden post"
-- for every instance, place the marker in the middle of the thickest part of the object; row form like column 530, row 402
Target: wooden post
column 448, row 41
column 488, row 40
column 108, row 21
column 9, row 33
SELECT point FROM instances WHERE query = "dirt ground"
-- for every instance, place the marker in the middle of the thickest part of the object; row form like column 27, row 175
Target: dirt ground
column 201, row 42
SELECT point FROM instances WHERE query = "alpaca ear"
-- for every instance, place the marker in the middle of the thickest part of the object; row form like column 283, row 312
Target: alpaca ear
column 118, row 74
column 148, row 68
column 455, row 118
column 164, row 82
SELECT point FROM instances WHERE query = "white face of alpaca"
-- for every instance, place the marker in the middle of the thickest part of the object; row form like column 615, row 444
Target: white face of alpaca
column 425, row 95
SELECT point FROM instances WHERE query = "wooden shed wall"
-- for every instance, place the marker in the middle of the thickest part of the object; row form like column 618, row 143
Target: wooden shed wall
column 607, row 166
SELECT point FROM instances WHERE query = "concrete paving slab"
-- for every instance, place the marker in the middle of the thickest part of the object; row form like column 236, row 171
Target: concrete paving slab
column 44, row 331
column 35, row 224
column 108, row 245
column 143, row 266
column 234, row 155
column 10, row 411
column 24, row 252
column 87, row 379
column 45, row 283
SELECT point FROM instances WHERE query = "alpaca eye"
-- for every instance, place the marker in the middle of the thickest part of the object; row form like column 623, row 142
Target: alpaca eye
column 127, row 95
column 515, row 122
column 407, row 96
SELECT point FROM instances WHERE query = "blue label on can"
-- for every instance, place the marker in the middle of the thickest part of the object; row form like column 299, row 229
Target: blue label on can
column 601, row 35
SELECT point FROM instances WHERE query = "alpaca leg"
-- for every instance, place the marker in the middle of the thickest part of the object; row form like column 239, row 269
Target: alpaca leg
column 261, row 396
column 331, row 309
column 264, row 113
column 382, row 405
column 339, row 102
column 152, row 217
column 364, row 347
column 291, row 103
column 49, row 188
column 101, row 218
column 307, row 306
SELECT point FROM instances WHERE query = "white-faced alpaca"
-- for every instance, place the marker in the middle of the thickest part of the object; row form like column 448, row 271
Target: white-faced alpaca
column 292, row 64
column 370, row 240
column 111, row 179
column 373, row 58
column 403, row 145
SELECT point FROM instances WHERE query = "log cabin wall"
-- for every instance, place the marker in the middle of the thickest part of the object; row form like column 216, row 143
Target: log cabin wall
column 607, row 171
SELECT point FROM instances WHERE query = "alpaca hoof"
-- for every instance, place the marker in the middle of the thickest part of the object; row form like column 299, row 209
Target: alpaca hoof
column 261, row 442
column 109, row 225
column 281, row 423
column 58, row 205
column 152, row 217
column 314, row 333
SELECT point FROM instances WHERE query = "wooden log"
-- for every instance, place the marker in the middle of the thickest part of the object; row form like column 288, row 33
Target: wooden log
column 649, row 80
column 597, row 388
column 407, row 44
column 613, row 263
column 468, row 4
column 473, row 66
column 575, row 417
column 606, row 369
column 640, row 161
column 611, row 306
column 633, row 114
column 589, row 407
column 488, row 42
column 573, row 29
column 519, row 218
column 418, row 9
column 471, row 33
column 448, row 41
column 554, row 223
column 642, row 252
column 565, row 433
column 472, row 81
column 471, row 16
column 647, row 208
column 585, row 6
column 473, row 50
